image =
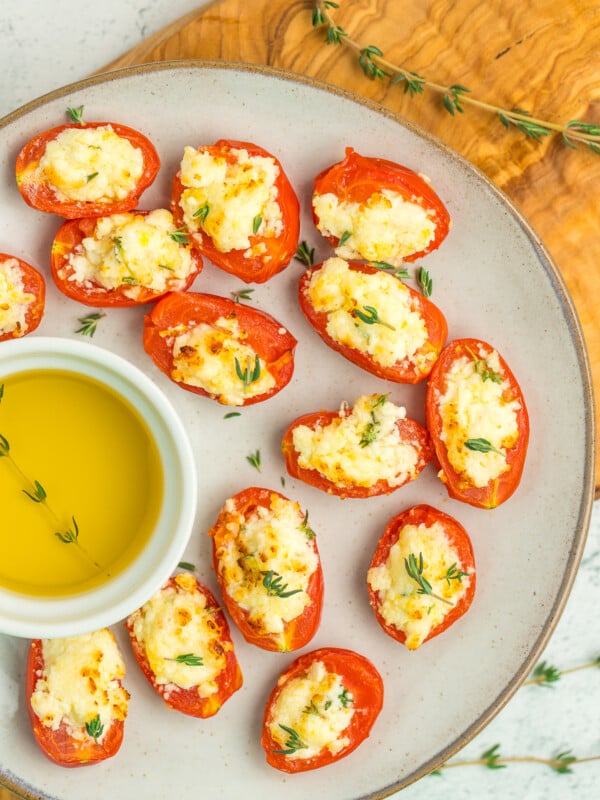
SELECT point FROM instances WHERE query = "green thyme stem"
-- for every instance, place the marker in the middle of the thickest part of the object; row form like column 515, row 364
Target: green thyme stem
column 375, row 65
column 547, row 674
column 560, row 763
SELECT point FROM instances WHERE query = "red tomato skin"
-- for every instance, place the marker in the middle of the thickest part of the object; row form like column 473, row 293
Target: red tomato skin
column 297, row 632
column 35, row 284
column 188, row 701
column 458, row 487
column 42, row 196
column 357, row 177
column 279, row 250
column 401, row 372
column 408, row 429
column 360, row 678
column 68, row 237
column 271, row 340
column 460, row 542
column 59, row 746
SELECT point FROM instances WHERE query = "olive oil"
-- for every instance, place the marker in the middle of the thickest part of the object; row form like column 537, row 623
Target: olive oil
column 81, row 483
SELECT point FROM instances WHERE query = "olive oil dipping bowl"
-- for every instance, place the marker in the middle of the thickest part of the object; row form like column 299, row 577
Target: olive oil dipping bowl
column 97, row 483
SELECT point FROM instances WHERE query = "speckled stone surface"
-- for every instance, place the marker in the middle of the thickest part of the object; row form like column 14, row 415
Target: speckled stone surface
column 48, row 44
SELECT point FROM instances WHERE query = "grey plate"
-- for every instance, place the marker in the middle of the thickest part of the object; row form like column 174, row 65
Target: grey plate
column 493, row 280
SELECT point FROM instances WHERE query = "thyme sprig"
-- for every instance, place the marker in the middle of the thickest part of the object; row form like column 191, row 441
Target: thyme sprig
column 546, row 674
column 562, row 762
column 455, row 97
column 414, row 568
column 305, row 254
column 94, row 728
column 292, row 744
column 250, row 374
column 89, row 324
column 273, row 583
column 189, row 659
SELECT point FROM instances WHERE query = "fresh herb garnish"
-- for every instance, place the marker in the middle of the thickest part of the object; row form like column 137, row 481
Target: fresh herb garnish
column 256, row 223
column 292, row 744
column 38, row 495
column 91, row 176
column 202, row 213
column 397, row 272
column 305, row 254
column 306, row 529
column 94, row 728
column 250, row 374
column 254, row 459
column 189, row 659
column 232, row 414
column 455, row 574
column 76, row 115
column 370, row 432
column 180, row 235
column 414, row 569
column 425, row 282
column 482, row 446
column 370, row 316
column 346, row 698
column 344, row 238
column 69, row 536
column 273, row 583
column 89, row 324
column 242, row 294
column 187, row 565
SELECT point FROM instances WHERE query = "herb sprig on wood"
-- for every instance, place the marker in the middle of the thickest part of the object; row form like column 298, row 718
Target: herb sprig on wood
column 455, row 97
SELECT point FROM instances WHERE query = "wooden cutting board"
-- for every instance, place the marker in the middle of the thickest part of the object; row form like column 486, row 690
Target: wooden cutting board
column 541, row 56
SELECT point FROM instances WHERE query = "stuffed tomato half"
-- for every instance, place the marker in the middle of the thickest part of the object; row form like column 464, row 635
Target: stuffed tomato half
column 373, row 209
column 478, row 421
column 322, row 708
column 370, row 449
column 123, row 259
column 266, row 559
column 373, row 319
column 75, row 699
column 22, row 297
column 241, row 209
column 422, row 575
column 86, row 169
column 218, row 348
column 181, row 641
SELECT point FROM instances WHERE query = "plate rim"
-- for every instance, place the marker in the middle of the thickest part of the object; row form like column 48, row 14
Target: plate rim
column 572, row 323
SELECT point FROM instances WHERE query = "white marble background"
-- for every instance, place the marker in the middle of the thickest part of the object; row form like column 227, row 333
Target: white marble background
column 45, row 44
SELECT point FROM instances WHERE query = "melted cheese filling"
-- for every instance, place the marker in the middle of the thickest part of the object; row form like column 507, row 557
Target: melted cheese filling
column 81, row 682
column 339, row 291
column 386, row 227
column 206, row 356
column 400, row 603
column 231, row 200
column 360, row 447
column 14, row 300
column 175, row 623
column 91, row 165
column 476, row 408
column 319, row 710
column 268, row 540
column 133, row 251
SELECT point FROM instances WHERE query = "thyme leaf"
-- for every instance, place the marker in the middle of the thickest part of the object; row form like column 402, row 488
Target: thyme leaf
column 241, row 294
column 305, row 254
column 273, row 583
column 180, row 235
column 70, row 536
column 482, row 446
column 425, row 282
column 292, row 744
column 202, row 213
column 414, row 569
column 187, row 565
column 189, row 659
column 254, row 459
column 39, row 493
column 370, row 316
column 76, row 115
column 250, row 374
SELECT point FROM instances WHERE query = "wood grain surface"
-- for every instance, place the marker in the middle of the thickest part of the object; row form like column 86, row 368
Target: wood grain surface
column 541, row 56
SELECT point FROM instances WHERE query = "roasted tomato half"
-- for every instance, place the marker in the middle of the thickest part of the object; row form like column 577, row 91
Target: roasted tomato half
column 181, row 640
column 422, row 575
column 373, row 319
column 240, row 207
column 267, row 562
column 218, row 348
column 372, row 209
column 22, row 297
column 323, row 707
column 86, row 170
column 370, row 449
column 75, row 700
column 123, row 259
column 478, row 421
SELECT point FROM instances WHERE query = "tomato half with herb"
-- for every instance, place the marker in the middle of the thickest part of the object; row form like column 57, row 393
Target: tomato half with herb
column 267, row 562
column 22, row 297
column 373, row 319
column 78, row 678
column 240, row 207
column 218, row 348
column 181, row 641
column 422, row 575
column 123, row 259
column 478, row 421
column 370, row 449
column 86, row 169
column 323, row 707
column 374, row 209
